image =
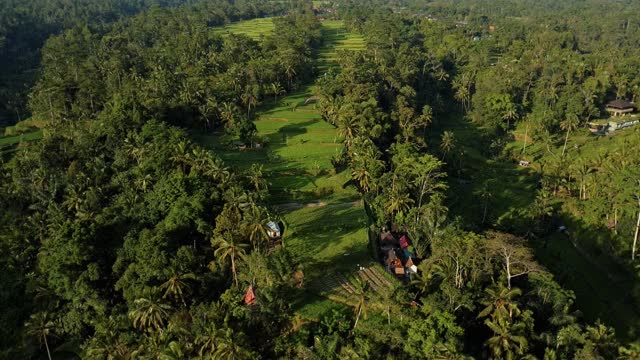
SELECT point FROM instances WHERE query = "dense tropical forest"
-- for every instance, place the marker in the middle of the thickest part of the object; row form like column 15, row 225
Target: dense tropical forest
column 196, row 179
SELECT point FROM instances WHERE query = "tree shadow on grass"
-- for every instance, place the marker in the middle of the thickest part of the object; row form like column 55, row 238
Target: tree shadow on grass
column 322, row 236
column 581, row 263
column 605, row 289
column 477, row 178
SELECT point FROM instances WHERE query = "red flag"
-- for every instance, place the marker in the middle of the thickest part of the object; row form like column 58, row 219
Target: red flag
column 249, row 297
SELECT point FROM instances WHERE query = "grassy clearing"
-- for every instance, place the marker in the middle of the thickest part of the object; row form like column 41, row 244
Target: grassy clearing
column 296, row 160
column 297, row 155
column 581, row 143
column 255, row 28
column 329, row 238
column 601, row 284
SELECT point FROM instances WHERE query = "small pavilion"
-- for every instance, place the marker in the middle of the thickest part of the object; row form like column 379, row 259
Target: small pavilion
column 619, row 107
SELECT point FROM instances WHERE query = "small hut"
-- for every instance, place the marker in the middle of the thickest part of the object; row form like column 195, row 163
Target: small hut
column 619, row 107
column 273, row 230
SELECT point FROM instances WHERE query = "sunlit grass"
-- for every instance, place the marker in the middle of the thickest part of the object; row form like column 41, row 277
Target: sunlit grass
column 333, row 235
column 255, row 28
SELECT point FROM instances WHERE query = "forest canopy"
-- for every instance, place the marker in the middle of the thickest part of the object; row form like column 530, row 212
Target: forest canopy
column 148, row 218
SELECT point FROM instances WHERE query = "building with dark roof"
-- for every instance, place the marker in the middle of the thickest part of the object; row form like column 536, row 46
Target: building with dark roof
column 619, row 107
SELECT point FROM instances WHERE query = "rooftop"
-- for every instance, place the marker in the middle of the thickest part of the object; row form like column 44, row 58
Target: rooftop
column 619, row 104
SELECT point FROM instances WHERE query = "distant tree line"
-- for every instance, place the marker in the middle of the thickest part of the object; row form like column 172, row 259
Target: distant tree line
column 26, row 25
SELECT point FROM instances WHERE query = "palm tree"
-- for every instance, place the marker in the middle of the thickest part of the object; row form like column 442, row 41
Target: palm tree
column 176, row 286
column 40, row 326
column 180, row 155
column 290, row 72
column 276, row 89
column 510, row 113
column 229, row 248
column 228, row 113
column 569, row 124
column 347, row 129
column 148, row 313
column 398, row 201
column 582, row 170
column 385, row 297
column 208, row 340
column 254, row 222
column 229, row 347
column 422, row 280
column 108, row 347
column 499, row 302
column 361, row 288
column 486, row 195
column 447, row 143
column 174, row 351
column 214, row 168
column 249, row 99
column 462, row 85
column 255, row 176
column 362, row 176
column 207, row 109
column 505, row 343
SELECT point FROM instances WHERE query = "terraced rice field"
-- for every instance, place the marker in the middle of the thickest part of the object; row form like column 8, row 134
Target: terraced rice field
column 341, row 288
column 255, row 28
column 337, row 39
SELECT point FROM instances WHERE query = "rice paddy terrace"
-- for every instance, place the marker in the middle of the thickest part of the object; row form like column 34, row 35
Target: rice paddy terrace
column 255, row 28
column 326, row 226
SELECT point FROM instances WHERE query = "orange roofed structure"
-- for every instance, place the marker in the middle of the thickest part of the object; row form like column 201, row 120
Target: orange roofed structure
column 250, row 296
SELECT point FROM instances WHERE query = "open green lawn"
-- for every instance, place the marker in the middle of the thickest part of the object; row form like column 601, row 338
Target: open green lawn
column 255, row 28
column 513, row 189
column 332, row 236
column 328, row 239
column 297, row 155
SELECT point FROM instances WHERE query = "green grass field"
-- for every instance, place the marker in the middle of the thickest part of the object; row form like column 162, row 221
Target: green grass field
column 255, row 28
column 297, row 155
column 326, row 225
column 581, row 143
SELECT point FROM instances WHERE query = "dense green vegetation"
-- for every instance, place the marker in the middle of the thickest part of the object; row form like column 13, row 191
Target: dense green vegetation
column 159, row 138
column 26, row 25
